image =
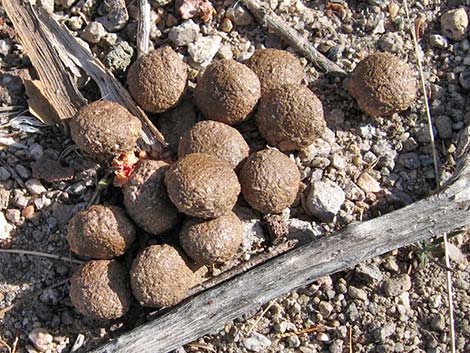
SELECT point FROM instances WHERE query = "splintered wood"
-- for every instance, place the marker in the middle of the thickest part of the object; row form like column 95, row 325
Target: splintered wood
column 59, row 60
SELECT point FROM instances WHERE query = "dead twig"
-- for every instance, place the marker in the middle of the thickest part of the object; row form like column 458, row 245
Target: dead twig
column 143, row 28
column 315, row 328
column 41, row 254
column 5, row 345
column 202, row 346
column 449, row 296
column 276, row 24
column 261, row 316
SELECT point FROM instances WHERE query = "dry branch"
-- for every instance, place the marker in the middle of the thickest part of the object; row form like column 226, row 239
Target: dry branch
column 276, row 24
column 143, row 28
column 211, row 309
column 61, row 97
column 56, row 54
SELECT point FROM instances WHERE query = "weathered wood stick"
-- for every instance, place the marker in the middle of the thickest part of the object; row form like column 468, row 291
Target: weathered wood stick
column 55, row 84
column 276, row 24
column 210, row 310
column 143, row 28
column 54, row 51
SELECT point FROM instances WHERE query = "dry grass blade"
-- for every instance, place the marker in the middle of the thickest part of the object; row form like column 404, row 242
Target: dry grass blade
column 449, row 295
column 15, row 344
column 425, row 96
column 414, row 35
column 315, row 328
column 261, row 316
column 40, row 254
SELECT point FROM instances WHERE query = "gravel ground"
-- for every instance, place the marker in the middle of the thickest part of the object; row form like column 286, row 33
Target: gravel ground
column 368, row 167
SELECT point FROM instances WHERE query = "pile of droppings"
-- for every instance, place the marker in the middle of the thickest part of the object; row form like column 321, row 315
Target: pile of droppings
column 358, row 168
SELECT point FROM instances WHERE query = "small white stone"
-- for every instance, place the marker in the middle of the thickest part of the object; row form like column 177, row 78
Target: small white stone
column 454, row 23
column 368, row 183
column 325, row 308
column 41, row 339
column 256, row 342
column 5, row 227
column 48, row 5
column 204, row 49
column 438, row 41
column 322, row 337
column 184, row 34
column 35, row 187
column 93, row 32
column 324, row 200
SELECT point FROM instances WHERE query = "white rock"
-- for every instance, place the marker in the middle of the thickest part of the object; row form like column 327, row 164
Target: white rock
column 184, row 34
column 204, row 49
column 93, row 32
column 354, row 192
column 252, row 234
column 325, row 308
column 225, row 51
column 368, row 183
column 41, row 339
column 320, row 148
column 455, row 254
column 438, row 41
column 66, row 3
column 324, row 200
column 5, row 227
column 300, row 229
column 5, row 46
column 454, row 23
column 35, row 187
column 256, row 342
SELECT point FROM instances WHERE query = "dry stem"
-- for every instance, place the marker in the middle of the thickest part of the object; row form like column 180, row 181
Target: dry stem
column 143, row 28
column 276, row 24
column 41, row 254
column 436, row 172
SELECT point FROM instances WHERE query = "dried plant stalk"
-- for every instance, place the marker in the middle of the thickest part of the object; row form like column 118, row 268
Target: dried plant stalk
column 143, row 28
column 276, row 24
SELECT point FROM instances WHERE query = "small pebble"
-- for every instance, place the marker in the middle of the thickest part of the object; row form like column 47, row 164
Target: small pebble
column 454, row 23
column 41, row 339
column 396, row 285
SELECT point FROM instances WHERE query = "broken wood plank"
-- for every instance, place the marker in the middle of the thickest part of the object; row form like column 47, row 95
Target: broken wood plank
column 66, row 57
column 277, row 25
column 208, row 311
column 62, row 99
